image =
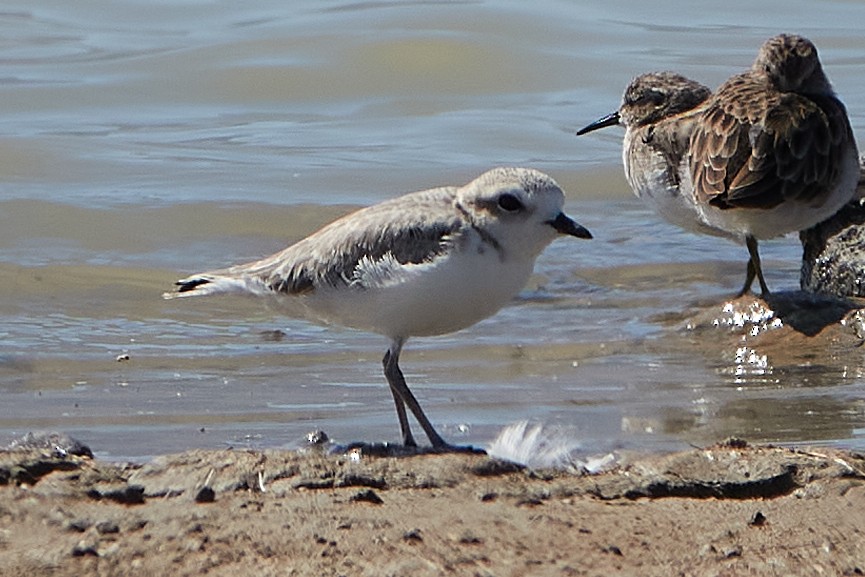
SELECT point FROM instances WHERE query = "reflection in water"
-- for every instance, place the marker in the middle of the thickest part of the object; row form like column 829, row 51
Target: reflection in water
column 786, row 366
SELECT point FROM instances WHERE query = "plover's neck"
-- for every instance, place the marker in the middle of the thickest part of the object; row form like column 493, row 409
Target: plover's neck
column 485, row 236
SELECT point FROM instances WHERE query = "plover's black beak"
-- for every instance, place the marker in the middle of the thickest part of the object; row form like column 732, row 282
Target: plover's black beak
column 564, row 225
column 608, row 120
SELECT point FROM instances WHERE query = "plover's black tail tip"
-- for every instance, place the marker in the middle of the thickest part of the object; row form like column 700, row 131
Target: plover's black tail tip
column 191, row 286
column 206, row 284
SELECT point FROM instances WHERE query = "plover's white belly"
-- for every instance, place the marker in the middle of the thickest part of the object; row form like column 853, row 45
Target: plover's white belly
column 442, row 296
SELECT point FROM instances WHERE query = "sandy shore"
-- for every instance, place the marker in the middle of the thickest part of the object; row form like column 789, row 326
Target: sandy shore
column 723, row 510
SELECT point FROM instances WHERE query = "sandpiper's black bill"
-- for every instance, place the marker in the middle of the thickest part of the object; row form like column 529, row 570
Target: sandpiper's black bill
column 565, row 225
column 611, row 119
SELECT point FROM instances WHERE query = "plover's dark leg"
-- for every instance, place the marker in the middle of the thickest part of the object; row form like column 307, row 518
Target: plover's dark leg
column 403, row 397
column 405, row 428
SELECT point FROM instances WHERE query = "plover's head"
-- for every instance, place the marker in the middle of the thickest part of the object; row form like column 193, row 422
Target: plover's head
column 519, row 209
column 652, row 97
column 791, row 63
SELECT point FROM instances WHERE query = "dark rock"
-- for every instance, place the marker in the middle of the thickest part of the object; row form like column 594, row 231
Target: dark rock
column 126, row 495
column 205, row 495
column 60, row 444
column 30, row 470
column 413, row 535
column 495, row 468
column 833, row 261
column 85, row 549
column 782, row 483
column 368, row 496
column 529, row 502
column 355, row 480
column 758, row 520
column 732, row 552
column 107, row 528
column 80, row 525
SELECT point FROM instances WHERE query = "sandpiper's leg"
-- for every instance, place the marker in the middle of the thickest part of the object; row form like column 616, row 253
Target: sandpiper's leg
column 754, row 268
column 404, row 397
column 749, row 279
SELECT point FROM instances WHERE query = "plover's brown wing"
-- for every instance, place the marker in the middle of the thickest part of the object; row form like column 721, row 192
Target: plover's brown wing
column 756, row 148
column 410, row 229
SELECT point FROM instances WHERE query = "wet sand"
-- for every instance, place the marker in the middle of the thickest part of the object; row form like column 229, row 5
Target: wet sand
column 730, row 509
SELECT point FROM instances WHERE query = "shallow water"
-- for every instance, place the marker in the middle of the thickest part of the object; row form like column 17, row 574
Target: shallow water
column 144, row 141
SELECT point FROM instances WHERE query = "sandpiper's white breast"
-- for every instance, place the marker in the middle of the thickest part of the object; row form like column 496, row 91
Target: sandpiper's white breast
column 664, row 186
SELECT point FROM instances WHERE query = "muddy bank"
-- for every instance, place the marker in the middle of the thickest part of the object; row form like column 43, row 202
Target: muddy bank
column 724, row 510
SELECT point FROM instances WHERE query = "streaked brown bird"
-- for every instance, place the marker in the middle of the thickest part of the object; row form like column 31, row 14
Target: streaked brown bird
column 659, row 111
column 773, row 151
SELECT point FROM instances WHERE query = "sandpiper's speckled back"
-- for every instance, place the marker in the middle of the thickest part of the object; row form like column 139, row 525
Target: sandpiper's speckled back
column 774, row 151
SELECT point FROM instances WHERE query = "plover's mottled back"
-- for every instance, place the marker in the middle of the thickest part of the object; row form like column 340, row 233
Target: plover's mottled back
column 658, row 112
column 426, row 263
column 773, row 152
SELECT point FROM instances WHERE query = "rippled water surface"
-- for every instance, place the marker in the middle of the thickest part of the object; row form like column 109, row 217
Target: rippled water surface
column 141, row 141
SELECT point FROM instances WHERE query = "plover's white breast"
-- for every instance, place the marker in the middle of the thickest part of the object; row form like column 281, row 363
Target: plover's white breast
column 453, row 289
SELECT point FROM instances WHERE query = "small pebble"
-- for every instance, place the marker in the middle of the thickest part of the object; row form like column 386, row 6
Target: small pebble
column 205, row 495
column 368, row 496
column 107, row 527
column 413, row 535
column 85, row 549
column 80, row 525
column 758, row 520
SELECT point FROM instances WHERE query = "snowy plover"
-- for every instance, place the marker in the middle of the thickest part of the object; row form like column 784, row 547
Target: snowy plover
column 426, row 263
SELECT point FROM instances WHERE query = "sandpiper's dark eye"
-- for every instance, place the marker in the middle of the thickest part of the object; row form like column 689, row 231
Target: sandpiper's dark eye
column 655, row 97
column 510, row 203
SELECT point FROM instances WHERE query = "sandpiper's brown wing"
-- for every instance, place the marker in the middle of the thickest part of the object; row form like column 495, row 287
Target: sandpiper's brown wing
column 755, row 147
column 671, row 138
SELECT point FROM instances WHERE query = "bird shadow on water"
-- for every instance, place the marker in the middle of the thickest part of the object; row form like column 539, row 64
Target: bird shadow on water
column 792, row 324
column 380, row 449
column 809, row 313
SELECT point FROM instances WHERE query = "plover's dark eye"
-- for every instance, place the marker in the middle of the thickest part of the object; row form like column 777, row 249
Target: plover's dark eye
column 510, row 203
